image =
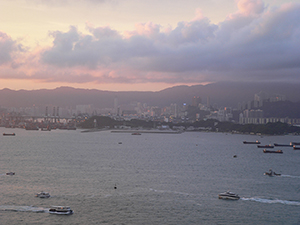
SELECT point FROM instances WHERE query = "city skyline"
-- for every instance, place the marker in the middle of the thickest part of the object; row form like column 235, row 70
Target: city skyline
column 147, row 46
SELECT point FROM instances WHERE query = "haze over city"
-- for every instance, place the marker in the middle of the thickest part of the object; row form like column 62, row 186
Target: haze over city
column 147, row 45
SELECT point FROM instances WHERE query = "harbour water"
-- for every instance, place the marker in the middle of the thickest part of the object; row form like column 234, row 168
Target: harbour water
column 119, row 178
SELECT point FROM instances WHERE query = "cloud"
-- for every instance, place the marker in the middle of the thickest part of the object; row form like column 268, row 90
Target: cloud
column 253, row 43
column 251, row 7
column 7, row 47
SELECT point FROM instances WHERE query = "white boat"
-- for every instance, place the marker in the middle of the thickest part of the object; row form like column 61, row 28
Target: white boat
column 43, row 194
column 61, row 210
column 229, row 195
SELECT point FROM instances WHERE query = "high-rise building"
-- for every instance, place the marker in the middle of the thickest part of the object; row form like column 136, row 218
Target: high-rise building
column 196, row 101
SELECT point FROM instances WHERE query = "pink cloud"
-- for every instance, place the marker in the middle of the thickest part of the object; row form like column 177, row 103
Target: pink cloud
column 251, row 7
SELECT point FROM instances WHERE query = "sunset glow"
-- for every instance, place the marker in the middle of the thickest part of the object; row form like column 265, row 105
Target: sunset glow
column 147, row 46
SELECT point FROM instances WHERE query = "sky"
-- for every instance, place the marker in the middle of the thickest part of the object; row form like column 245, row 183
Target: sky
column 139, row 45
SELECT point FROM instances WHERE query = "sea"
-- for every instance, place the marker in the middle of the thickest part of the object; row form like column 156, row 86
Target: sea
column 152, row 178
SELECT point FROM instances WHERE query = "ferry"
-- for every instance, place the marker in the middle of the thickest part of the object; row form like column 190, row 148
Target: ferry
column 229, row 195
column 61, row 210
column 43, row 194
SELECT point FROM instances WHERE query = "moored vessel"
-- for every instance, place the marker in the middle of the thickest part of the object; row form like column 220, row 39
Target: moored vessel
column 283, row 145
column 265, row 146
column 270, row 151
column 295, row 143
column 9, row 134
column 251, row 142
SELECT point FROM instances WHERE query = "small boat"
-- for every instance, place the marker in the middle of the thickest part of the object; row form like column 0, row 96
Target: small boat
column 265, row 146
column 229, row 195
column 136, row 133
column 9, row 134
column 61, row 210
column 270, row 151
column 296, row 148
column 271, row 173
column 43, row 194
column 282, row 145
column 10, row 173
column 251, row 142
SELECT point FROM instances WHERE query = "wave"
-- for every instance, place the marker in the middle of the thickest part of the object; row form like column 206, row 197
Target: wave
column 272, row 201
column 23, row 208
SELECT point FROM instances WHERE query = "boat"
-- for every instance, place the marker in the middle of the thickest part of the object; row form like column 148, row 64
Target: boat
column 43, row 194
column 295, row 143
column 9, row 134
column 282, row 145
column 61, row 210
column 265, row 146
column 296, row 148
column 136, row 133
column 271, row 173
column 251, row 142
column 10, row 173
column 229, row 195
column 270, row 151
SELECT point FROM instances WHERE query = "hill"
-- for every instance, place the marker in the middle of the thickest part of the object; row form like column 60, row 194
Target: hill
column 219, row 94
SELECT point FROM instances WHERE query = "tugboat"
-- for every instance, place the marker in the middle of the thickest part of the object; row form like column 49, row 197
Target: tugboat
column 229, row 195
column 61, row 210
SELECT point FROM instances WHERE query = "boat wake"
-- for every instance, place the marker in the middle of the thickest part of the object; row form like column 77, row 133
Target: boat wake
column 272, row 201
column 290, row 176
column 23, row 208
column 170, row 192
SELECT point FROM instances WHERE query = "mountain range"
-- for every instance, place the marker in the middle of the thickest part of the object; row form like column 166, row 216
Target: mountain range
column 222, row 94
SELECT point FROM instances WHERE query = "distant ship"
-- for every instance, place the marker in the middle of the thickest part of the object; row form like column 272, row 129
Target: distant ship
column 251, row 142
column 283, row 145
column 9, row 134
column 270, row 151
column 265, row 146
